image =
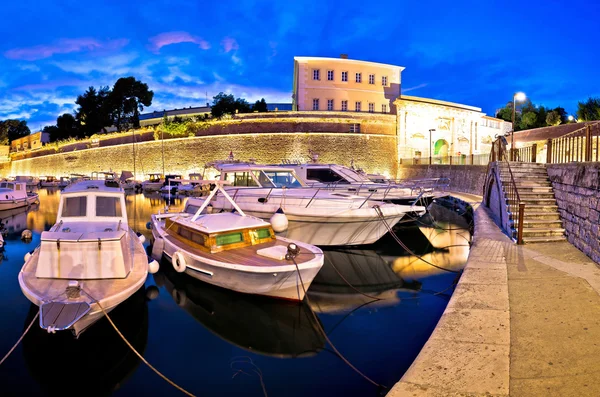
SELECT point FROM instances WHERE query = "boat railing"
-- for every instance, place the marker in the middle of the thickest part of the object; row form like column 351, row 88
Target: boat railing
column 366, row 200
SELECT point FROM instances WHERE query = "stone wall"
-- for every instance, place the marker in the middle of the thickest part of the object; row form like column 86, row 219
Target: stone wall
column 374, row 153
column 577, row 191
column 463, row 178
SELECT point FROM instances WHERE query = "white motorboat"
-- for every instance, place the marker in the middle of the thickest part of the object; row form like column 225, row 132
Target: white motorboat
column 340, row 178
column 64, row 181
column 234, row 251
column 126, row 181
column 314, row 215
column 49, row 181
column 172, row 183
column 154, row 183
column 30, row 181
column 78, row 178
column 88, row 261
column 15, row 195
column 191, row 186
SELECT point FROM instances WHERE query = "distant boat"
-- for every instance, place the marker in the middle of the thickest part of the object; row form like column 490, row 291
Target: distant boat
column 14, row 195
column 49, row 181
column 154, row 182
column 90, row 257
column 234, row 251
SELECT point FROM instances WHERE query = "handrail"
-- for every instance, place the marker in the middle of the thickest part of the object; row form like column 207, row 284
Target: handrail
column 512, row 193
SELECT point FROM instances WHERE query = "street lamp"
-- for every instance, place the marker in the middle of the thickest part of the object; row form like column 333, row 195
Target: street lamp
column 571, row 118
column 430, row 131
column 517, row 96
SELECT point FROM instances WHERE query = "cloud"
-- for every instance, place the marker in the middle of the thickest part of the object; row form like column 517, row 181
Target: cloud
column 229, row 44
column 414, row 88
column 63, row 46
column 168, row 38
column 52, row 85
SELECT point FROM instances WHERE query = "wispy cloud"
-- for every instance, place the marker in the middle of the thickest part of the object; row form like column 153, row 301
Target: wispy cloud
column 168, row 38
column 52, row 85
column 414, row 88
column 229, row 44
column 63, row 46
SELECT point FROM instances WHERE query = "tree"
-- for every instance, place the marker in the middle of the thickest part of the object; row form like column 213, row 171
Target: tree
column 94, row 112
column 562, row 113
column 228, row 104
column 12, row 129
column 528, row 120
column 589, row 110
column 126, row 100
column 260, row 106
column 553, row 118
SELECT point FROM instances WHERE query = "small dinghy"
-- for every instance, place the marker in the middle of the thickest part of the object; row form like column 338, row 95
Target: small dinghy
column 235, row 251
column 89, row 258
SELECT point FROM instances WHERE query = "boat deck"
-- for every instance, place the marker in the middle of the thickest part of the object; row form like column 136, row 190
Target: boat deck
column 246, row 255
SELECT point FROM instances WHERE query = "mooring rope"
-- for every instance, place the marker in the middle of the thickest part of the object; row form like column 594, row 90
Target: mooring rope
column 175, row 385
column 20, row 339
column 381, row 216
column 293, row 259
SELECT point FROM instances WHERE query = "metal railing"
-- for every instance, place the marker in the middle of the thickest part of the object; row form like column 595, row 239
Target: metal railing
column 464, row 159
column 511, row 192
column 580, row 145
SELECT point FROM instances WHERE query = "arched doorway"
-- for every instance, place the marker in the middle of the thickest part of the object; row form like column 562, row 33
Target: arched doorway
column 440, row 148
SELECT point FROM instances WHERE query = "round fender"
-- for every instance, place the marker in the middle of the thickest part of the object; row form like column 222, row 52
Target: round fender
column 153, row 266
column 279, row 222
column 141, row 237
column 179, row 263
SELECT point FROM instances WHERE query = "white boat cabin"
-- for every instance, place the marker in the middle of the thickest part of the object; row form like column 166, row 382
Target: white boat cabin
column 328, row 173
column 13, row 190
column 90, row 238
column 253, row 175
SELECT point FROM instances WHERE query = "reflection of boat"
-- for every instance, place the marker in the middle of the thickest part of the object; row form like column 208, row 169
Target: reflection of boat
column 261, row 325
column 14, row 221
column 366, row 271
column 15, row 195
column 89, row 258
column 412, row 267
column 98, row 362
column 235, row 251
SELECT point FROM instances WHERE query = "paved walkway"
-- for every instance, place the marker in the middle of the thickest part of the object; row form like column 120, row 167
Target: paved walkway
column 523, row 321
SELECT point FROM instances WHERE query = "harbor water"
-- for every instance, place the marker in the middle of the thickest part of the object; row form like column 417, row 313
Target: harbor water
column 377, row 304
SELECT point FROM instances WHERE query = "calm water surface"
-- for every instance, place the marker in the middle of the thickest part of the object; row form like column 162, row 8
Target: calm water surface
column 216, row 342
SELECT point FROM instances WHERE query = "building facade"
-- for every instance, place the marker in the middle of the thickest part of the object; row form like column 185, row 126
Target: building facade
column 456, row 129
column 347, row 85
column 31, row 141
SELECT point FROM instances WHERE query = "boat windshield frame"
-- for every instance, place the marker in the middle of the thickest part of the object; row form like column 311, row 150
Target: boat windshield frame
column 91, row 207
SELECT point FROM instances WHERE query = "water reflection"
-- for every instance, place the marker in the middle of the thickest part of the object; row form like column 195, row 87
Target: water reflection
column 95, row 364
column 262, row 325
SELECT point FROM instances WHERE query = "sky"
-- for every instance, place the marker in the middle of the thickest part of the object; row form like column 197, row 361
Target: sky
column 476, row 53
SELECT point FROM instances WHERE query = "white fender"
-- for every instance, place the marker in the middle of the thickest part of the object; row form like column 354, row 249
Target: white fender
column 27, row 256
column 279, row 222
column 178, row 261
column 153, row 266
column 142, row 238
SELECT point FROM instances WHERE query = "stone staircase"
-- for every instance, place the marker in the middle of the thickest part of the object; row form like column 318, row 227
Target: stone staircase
column 541, row 221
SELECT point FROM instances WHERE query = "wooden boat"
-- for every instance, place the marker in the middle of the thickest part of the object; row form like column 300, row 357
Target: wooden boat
column 89, row 256
column 15, row 195
column 155, row 182
column 234, row 251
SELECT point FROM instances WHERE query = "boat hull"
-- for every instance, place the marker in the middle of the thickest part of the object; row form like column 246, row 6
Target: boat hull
column 281, row 282
column 17, row 203
column 152, row 186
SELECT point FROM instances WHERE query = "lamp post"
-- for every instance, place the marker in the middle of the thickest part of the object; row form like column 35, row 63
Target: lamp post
column 517, row 96
column 430, row 131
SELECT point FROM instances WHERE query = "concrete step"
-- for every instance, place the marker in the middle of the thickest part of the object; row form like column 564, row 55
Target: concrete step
column 542, row 232
column 520, row 171
column 540, row 223
column 535, row 189
column 549, row 216
column 533, row 208
column 524, row 164
column 534, row 201
column 528, row 177
column 535, row 195
column 547, row 239
column 532, row 184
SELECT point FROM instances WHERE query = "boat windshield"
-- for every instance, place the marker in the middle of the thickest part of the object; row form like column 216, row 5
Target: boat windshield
column 242, row 178
column 282, row 178
column 74, row 206
column 191, row 209
column 324, row 175
column 155, row 178
column 108, row 206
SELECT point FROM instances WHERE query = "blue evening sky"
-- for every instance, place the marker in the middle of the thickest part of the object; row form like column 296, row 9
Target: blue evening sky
column 472, row 52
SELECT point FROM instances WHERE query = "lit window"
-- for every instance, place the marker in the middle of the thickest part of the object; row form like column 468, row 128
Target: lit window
column 371, row 107
column 316, row 104
column 344, row 106
column 316, row 74
column 330, row 75
column 354, row 127
column 383, row 108
column 357, row 106
column 358, row 77
column 330, row 104
column 344, row 76
column 371, row 79
column 384, row 81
